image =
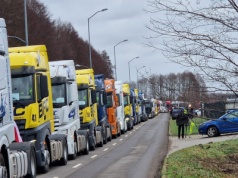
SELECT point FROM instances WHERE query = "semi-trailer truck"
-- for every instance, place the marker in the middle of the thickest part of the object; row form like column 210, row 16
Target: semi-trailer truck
column 65, row 103
column 88, row 107
column 101, row 97
column 17, row 159
column 120, row 107
column 127, row 106
column 33, row 107
column 112, row 103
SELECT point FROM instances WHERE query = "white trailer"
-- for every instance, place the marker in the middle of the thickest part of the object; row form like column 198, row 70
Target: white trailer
column 120, row 107
column 17, row 159
column 66, row 107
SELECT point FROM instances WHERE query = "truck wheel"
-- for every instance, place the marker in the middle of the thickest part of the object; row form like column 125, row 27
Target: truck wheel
column 110, row 137
column 105, row 136
column 93, row 146
column 119, row 130
column 45, row 168
column 64, row 159
column 4, row 168
column 86, row 150
column 32, row 164
column 74, row 156
column 100, row 144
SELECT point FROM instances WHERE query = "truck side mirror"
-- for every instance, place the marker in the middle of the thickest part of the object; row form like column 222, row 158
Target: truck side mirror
column 131, row 100
column 104, row 98
column 43, row 87
column 93, row 94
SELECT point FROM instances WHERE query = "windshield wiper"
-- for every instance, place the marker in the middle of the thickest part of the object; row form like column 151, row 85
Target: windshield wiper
column 17, row 101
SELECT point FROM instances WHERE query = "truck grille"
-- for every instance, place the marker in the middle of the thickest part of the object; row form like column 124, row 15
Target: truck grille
column 21, row 126
column 56, row 122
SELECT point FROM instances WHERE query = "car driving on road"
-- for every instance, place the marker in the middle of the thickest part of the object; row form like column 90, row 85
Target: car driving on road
column 228, row 123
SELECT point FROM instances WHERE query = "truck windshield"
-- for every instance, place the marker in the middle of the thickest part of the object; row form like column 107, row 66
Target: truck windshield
column 109, row 100
column 83, row 98
column 59, row 95
column 125, row 98
column 22, row 88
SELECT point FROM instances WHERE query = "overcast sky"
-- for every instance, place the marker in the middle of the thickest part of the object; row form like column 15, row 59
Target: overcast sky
column 124, row 19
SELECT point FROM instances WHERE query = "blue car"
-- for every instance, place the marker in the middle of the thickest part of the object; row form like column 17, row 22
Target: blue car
column 228, row 123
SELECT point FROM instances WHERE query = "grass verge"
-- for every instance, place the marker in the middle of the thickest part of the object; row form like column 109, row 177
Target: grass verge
column 218, row 160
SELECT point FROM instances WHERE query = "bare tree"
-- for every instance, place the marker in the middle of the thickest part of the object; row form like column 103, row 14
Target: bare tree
column 199, row 34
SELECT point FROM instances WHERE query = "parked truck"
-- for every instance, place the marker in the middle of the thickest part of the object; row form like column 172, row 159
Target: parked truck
column 33, row 108
column 112, row 103
column 133, row 106
column 17, row 159
column 141, row 99
column 120, row 107
column 127, row 106
column 138, row 105
column 65, row 104
column 101, row 97
column 88, row 107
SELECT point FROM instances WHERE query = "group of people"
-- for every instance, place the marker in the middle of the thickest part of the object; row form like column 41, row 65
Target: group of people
column 184, row 121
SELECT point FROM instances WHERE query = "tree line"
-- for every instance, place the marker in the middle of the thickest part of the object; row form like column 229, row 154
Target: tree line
column 61, row 39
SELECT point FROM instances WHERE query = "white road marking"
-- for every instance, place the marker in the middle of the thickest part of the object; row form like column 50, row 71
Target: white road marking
column 77, row 165
column 121, row 139
column 126, row 135
column 105, row 149
column 114, row 144
column 130, row 132
column 94, row 156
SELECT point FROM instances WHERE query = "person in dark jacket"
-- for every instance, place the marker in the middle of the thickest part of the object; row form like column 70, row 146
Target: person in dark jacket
column 181, row 121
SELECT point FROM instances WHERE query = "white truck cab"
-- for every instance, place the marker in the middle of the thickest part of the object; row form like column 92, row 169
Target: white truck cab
column 16, row 159
column 120, row 107
column 65, row 104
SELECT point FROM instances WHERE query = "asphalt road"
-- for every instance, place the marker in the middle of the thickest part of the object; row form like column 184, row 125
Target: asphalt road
column 136, row 154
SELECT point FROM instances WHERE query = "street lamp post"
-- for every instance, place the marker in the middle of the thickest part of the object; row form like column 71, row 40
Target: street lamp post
column 137, row 76
column 129, row 68
column 90, row 55
column 26, row 23
column 115, row 57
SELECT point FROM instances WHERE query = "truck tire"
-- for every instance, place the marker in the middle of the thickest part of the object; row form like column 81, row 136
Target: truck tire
column 64, row 159
column 93, row 146
column 2, row 163
column 45, row 168
column 74, row 155
column 100, row 144
column 119, row 130
column 105, row 136
column 32, row 164
column 86, row 149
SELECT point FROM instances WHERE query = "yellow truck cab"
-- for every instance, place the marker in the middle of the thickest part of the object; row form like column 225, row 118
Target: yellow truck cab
column 88, row 106
column 127, row 106
column 32, row 102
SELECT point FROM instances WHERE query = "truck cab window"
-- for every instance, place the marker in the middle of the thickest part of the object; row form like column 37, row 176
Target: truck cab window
column 83, row 98
column 59, row 96
column 22, row 87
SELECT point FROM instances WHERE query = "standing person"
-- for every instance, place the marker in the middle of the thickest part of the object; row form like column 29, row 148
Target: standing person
column 181, row 120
